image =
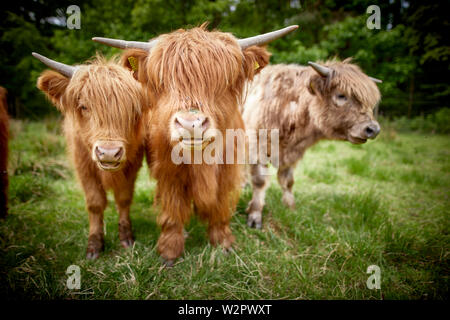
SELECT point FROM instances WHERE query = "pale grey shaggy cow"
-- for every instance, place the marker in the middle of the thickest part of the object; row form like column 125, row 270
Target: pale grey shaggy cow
column 307, row 104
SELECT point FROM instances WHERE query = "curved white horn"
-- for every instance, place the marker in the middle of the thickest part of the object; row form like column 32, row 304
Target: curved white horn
column 266, row 37
column 322, row 70
column 123, row 44
column 62, row 68
column 376, row 80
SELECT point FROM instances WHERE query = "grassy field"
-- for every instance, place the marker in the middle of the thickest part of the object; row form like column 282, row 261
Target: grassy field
column 384, row 203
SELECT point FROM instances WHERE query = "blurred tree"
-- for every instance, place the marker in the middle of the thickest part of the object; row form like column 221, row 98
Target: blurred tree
column 429, row 44
column 410, row 52
column 26, row 26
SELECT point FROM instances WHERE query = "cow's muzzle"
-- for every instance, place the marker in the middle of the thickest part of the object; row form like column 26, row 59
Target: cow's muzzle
column 109, row 155
column 362, row 132
column 372, row 130
column 190, row 128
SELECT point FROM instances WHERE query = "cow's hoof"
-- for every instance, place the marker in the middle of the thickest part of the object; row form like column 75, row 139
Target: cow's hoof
column 254, row 220
column 92, row 255
column 227, row 251
column 289, row 200
column 168, row 263
column 96, row 244
column 127, row 243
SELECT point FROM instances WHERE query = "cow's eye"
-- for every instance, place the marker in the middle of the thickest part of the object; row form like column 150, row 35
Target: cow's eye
column 342, row 97
column 84, row 111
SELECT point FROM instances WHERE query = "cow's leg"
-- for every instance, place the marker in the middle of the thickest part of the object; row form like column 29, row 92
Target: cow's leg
column 218, row 215
column 175, row 212
column 245, row 180
column 123, row 197
column 95, row 204
column 260, row 183
column 220, row 234
column 286, row 180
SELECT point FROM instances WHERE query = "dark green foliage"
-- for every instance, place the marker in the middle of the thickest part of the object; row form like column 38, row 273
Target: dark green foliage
column 410, row 52
column 438, row 122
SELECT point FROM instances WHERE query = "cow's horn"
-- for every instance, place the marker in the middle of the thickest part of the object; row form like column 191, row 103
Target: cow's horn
column 322, row 70
column 376, row 80
column 266, row 37
column 123, row 44
column 244, row 43
column 62, row 68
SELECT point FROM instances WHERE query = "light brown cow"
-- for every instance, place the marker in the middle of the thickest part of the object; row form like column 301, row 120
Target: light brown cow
column 104, row 109
column 198, row 79
column 3, row 153
column 307, row 104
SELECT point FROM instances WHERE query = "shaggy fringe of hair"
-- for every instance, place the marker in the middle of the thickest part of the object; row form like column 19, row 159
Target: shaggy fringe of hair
column 345, row 75
column 109, row 88
column 197, row 65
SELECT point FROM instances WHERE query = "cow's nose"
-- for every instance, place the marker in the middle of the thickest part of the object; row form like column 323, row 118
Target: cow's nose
column 109, row 153
column 194, row 123
column 372, row 130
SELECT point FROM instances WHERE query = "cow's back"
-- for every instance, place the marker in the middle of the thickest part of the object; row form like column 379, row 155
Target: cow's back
column 274, row 95
column 279, row 99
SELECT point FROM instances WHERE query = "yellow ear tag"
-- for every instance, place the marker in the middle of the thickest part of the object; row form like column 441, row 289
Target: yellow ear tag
column 256, row 65
column 133, row 63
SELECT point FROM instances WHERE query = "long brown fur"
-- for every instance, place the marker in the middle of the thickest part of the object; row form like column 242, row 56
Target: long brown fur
column 4, row 128
column 298, row 102
column 116, row 108
column 207, row 71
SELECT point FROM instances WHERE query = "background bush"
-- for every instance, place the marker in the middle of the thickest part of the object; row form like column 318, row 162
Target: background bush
column 432, row 123
column 410, row 52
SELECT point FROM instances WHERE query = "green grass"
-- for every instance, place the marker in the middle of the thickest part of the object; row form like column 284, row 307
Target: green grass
column 384, row 203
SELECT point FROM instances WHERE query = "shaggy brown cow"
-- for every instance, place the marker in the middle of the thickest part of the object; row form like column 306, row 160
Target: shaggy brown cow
column 198, row 79
column 331, row 101
column 103, row 108
column 3, row 153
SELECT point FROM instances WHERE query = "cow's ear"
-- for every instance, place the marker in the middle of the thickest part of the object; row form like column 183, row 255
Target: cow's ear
column 311, row 86
column 317, row 84
column 255, row 58
column 136, row 61
column 53, row 84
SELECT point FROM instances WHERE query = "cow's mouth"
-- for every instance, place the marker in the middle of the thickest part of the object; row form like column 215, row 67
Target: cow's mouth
column 195, row 144
column 109, row 166
column 356, row 140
